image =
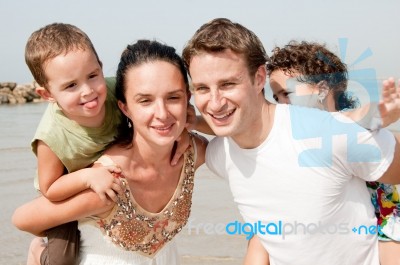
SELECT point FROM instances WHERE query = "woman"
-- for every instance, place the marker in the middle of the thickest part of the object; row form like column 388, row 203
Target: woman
column 152, row 92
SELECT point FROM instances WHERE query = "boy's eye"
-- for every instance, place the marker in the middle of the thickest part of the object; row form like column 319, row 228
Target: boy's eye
column 276, row 98
column 93, row 75
column 71, row 85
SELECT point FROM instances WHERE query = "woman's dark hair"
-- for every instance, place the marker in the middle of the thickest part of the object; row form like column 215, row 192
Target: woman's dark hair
column 143, row 51
column 314, row 63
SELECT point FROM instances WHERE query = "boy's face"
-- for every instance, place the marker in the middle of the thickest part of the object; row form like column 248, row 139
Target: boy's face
column 225, row 93
column 156, row 102
column 76, row 83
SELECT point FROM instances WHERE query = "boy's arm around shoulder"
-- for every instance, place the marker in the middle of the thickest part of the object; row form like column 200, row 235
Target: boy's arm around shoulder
column 41, row 214
column 53, row 184
column 57, row 187
column 392, row 174
column 50, row 168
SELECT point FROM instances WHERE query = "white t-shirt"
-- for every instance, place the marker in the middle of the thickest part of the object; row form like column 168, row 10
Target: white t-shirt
column 306, row 185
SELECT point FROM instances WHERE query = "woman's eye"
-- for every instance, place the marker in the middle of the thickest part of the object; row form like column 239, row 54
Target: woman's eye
column 143, row 101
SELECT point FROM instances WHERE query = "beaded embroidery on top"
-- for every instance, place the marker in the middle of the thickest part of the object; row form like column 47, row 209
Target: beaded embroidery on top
column 133, row 229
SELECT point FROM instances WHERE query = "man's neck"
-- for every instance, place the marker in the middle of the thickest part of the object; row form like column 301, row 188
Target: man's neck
column 260, row 129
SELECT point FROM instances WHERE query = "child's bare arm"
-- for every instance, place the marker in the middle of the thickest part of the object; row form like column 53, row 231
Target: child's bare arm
column 30, row 216
column 56, row 186
column 50, row 168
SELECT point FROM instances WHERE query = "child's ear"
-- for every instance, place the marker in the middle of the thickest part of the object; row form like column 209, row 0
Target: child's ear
column 323, row 90
column 45, row 94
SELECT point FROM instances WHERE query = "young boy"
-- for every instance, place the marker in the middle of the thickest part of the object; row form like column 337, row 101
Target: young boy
column 79, row 123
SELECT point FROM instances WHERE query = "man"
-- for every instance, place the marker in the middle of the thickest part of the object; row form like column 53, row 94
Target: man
column 297, row 174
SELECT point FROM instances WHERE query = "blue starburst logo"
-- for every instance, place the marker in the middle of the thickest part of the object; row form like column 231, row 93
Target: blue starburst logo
column 308, row 123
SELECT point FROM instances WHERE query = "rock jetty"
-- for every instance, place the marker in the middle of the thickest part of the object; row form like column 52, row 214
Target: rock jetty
column 13, row 93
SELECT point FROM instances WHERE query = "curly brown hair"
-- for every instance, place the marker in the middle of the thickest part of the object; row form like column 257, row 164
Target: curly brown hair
column 314, row 63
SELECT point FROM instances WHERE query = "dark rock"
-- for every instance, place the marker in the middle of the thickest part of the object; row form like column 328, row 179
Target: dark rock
column 13, row 93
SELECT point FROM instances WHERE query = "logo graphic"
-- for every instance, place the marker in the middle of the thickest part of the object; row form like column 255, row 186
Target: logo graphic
column 308, row 123
column 279, row 229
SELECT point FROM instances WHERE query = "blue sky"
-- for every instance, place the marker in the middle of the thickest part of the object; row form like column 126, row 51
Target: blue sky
column 366, row 25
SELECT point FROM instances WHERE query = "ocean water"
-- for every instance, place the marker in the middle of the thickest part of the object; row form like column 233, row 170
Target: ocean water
column 17, row 168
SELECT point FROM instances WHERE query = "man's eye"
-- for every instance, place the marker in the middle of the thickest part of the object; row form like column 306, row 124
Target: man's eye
column 201, row 89
column 228, row 84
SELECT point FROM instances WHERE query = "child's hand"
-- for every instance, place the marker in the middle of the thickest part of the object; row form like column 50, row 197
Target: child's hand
column 105, row 182
column 389, row 106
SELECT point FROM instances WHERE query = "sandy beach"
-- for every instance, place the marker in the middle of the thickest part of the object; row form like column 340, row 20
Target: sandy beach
column 200, row 242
